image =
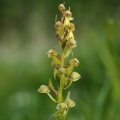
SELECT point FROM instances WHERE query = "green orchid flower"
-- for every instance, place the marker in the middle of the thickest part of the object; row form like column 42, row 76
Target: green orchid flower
column 45, row 89
column 69, row 67
column 71, row 43
column 69, row 28
column 67, row 17
column 59, row 31
column 61, row 76
column 55, row 57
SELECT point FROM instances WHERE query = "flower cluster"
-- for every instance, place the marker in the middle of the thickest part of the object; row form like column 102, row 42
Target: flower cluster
column 63, row 73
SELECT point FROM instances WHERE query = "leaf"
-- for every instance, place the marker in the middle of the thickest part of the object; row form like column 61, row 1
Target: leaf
column 69, row 69
column 69, row 35
column 68, row 85
column 68, row 97
column 60, row 31
column 56, row 60
column 67, row 51
column 50, row 83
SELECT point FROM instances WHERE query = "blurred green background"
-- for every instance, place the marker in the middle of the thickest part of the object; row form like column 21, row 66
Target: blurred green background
column 27, row 33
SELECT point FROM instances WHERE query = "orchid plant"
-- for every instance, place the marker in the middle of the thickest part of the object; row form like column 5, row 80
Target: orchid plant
column 62, row 72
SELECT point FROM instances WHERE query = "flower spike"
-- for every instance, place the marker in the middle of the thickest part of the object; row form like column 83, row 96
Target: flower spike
column 62, row 72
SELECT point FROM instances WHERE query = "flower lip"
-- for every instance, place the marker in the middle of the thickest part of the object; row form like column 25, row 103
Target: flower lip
column 70, row 103
column 61, row 106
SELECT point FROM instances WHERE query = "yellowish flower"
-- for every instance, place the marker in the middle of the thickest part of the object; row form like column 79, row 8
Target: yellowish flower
column 74, row 62
column 51, row 53
column 59, row 31
column 55, row 57
column 69, row 67
column 71, row 43
column 61, row 71
column 61, row 8
column 43, row 89
column 61, row 106
column 74, row 76
column 67, row 17
column 70, row 28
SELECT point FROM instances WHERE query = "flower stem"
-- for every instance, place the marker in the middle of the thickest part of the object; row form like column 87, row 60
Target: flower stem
column 57, row 118
column 60, row 97
column 60, row 87
column 51, row 97
column 63, row 58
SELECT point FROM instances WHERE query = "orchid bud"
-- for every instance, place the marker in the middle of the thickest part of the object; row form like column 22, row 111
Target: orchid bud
column 68, row 14
column 43, row 89
column 61, row 71
column 57, row 25
column 74, row 76
column 61, row 8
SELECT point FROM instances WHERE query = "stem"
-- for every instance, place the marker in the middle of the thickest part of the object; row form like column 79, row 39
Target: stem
column 51, row 97
column 60, row 87
column 60, row 97
column 57, row 118
column 68, row 85
column 62, row 58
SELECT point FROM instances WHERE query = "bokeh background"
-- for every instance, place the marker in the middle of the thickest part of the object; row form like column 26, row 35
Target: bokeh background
column 27, row 33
